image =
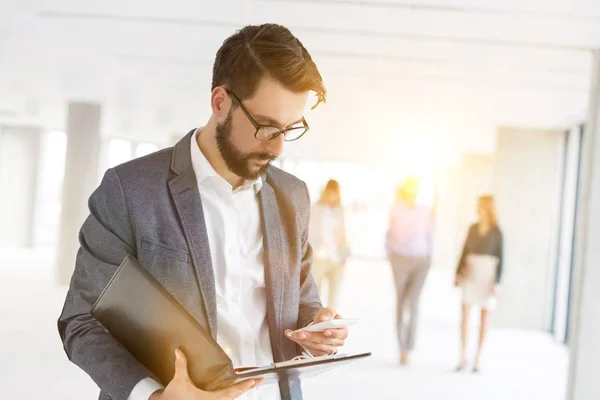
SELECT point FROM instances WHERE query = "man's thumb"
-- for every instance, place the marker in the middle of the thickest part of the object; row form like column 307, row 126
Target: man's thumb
column 325, row 315
column 181, row 365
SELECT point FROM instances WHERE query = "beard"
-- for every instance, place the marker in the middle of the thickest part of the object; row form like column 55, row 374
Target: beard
column 238, row 162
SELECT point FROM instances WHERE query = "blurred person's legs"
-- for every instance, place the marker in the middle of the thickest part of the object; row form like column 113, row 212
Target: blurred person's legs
column 409, row 277
column 400, row 271
column 464, row 336
column 477, row 285
column 335, row 275
column 328, row 275
column 485, row 316
column 414, row 288
column 319, row 271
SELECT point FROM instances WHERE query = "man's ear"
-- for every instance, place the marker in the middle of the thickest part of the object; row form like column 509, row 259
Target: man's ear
column 220, row 103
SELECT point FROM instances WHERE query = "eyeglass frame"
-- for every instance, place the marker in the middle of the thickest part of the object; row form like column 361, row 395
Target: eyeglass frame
column 257, row 126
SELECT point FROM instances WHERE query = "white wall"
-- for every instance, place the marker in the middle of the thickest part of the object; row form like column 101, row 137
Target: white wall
column 445, row 238
column 460, row 186
column 585, row 321
column 526, row 183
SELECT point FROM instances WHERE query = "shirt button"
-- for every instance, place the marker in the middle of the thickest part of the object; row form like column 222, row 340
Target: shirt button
column 248, row 344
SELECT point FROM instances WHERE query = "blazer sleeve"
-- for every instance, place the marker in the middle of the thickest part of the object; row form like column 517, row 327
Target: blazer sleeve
column 105, row 238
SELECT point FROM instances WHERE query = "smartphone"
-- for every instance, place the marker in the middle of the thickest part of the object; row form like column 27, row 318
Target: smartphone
column 331, row 324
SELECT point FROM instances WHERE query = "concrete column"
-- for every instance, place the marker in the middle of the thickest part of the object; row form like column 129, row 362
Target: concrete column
column 584, row 341
column 35, row 141
column 80, row 180
column 526, row 186
column 19, row 167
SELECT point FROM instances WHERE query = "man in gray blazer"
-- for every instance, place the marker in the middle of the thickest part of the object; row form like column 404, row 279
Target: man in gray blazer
column 219, row 227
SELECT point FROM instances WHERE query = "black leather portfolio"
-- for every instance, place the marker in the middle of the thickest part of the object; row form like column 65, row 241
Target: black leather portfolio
column 151, row 324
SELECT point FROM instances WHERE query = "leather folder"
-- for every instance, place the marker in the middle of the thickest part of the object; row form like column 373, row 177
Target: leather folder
column 150, row 323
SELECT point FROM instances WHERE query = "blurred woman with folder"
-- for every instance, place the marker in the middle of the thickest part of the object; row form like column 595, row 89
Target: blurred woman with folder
column 478, row 273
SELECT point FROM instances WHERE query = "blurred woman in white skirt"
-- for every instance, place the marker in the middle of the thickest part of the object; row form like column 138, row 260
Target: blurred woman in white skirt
column 478, row 274
column 327, row 236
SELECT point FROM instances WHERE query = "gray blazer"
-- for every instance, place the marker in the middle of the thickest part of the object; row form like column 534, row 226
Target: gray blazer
column 150, row 207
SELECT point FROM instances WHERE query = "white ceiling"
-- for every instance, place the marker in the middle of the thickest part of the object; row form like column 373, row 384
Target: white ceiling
column 447, row 71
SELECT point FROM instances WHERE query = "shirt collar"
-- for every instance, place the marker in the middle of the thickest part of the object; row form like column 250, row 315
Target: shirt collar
column 205, row 171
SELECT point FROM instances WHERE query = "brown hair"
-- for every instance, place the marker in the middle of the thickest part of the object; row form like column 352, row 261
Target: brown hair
column 267, row 50
column 331, row 186
column 487, row 204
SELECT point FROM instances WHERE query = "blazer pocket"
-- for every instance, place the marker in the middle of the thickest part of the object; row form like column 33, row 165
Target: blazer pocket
column 165, row 250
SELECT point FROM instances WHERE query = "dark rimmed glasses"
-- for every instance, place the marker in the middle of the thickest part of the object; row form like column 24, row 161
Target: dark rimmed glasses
column 270, row 132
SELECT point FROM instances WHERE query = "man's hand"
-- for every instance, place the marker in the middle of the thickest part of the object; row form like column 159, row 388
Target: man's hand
column 182, row 388
column 321, row 343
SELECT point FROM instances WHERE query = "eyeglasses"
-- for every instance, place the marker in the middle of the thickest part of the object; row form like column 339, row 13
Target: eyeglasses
column 270, row 132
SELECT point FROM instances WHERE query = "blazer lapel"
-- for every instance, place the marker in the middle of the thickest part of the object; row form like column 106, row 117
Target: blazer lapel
column 186, row 197
column 274, row 271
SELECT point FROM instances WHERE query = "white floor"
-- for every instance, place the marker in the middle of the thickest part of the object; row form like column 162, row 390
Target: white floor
column 517, row 365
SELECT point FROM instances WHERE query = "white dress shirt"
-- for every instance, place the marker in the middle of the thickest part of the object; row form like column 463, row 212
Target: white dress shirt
column 233, row 224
